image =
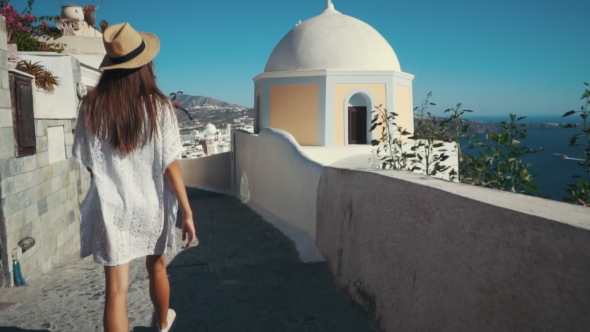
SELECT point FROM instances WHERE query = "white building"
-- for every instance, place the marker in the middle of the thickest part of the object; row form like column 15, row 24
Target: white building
column 325, row 77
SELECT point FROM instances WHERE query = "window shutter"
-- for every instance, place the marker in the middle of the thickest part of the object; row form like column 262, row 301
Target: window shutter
column 21, row 89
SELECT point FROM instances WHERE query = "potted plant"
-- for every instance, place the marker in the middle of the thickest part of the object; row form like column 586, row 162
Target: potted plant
column 72, row 12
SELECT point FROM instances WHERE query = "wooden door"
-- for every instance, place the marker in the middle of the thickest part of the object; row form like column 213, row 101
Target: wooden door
column 21, row 91
column 357, row 125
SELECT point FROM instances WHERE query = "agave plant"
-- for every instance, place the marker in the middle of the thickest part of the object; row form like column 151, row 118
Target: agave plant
column 30, row 68
column 44, row 79
column 47, row 81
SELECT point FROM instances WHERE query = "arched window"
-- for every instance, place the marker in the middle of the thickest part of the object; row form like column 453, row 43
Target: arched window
column 358, row 114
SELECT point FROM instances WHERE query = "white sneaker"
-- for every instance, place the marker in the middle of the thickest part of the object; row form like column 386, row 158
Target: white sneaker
column 171, row 319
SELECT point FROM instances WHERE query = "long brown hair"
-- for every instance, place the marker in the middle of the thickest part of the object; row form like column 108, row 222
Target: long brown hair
column 123, row 107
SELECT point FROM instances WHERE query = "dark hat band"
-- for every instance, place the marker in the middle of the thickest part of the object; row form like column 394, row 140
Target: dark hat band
column 130, row 56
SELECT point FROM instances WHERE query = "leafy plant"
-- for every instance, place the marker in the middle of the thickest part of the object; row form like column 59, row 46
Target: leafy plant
column 47, row 81
column 579, row 193
column 425, row 150
column 498, row 162
column 30, row 33
column 44, row 79
column 389, row 152
column 457, row 126
column 429, row 147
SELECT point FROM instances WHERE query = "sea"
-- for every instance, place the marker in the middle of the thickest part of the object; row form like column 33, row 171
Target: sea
column 552, row 174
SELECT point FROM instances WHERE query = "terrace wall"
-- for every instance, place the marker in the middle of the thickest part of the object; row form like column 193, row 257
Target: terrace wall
column 419, row 253
column 209, row 173
column 273, row 175
column 423, row 254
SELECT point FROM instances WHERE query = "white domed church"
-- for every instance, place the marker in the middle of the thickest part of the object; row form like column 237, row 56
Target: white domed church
column 324, row 78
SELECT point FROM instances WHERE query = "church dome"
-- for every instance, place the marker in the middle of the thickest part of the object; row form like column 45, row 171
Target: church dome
column 333, row 41
column 210, row 130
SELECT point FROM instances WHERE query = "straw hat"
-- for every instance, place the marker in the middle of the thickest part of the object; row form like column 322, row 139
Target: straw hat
column 127, row 48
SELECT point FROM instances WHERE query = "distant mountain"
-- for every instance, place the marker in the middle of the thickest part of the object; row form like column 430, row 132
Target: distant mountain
column 190, row 102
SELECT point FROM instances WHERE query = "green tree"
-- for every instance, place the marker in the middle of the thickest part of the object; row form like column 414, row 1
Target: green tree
column 498, row 162
column 579, row 193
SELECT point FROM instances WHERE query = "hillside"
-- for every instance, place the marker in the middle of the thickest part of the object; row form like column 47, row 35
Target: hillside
column 204, row 110
column 190, row 102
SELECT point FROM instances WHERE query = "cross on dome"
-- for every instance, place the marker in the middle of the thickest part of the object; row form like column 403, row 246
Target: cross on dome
column 329, row 5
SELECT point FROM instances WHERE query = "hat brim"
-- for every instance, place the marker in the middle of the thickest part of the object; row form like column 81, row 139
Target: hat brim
column 152, row 47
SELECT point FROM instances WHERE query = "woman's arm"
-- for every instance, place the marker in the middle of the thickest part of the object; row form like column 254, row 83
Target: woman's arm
column 174, row 176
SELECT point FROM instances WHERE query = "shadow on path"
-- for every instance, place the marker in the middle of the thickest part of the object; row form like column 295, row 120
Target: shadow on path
column 16, row 329
column 246, row 276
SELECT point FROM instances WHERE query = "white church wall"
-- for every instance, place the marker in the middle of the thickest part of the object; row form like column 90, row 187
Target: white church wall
column 359, row 96
column 262, row 87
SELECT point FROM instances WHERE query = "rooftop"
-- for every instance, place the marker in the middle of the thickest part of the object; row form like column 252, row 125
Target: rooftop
column 333, row 41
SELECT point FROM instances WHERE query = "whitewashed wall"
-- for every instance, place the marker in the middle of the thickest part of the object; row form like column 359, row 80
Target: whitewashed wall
column 272, row 175
column 61, row 103
column 210, row 173
column 90, row 75
column 420, row 254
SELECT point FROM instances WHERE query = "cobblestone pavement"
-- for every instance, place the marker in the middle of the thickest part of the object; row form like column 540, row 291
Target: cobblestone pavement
column 244, row 276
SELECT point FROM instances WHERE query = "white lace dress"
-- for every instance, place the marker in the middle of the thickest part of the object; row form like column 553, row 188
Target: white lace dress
column 130, row 209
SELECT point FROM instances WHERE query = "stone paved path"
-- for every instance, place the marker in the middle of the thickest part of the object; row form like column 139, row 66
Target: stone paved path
column 244, row 276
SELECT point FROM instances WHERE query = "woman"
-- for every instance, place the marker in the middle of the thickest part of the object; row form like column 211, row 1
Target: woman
column 127, row 136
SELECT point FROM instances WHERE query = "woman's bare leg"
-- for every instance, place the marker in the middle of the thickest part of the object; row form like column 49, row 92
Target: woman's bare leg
column 159, row 287
column 115, row 317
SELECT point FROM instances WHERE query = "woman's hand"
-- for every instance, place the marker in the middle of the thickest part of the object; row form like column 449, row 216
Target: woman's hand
column 174, row 177
column 188, row 230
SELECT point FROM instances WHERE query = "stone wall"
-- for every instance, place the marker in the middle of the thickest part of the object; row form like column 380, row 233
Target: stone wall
column 38, row 198
column 421, row 254
column 41, row 200
column 6, row 136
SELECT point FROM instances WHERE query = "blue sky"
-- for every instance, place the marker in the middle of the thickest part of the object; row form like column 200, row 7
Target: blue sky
column 496, row 57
